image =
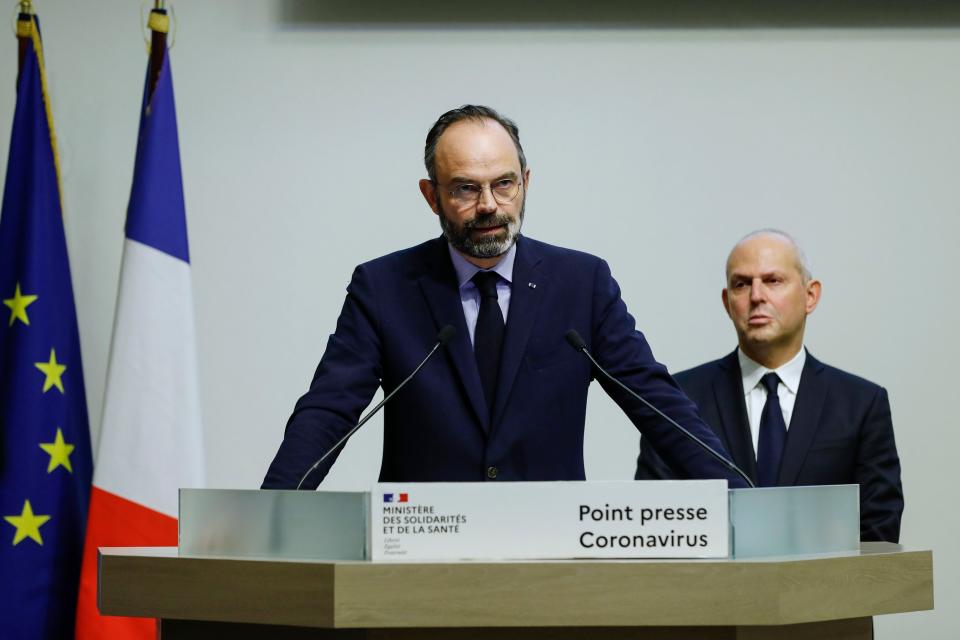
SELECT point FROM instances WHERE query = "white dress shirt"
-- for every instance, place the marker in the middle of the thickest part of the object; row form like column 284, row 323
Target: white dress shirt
column 470, row 295
column 755, row 394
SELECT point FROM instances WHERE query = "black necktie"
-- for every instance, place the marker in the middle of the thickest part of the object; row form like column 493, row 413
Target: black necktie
column 488, row 336
column 773, row 433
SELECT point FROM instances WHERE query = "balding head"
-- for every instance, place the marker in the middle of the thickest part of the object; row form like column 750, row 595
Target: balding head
column 776, row 235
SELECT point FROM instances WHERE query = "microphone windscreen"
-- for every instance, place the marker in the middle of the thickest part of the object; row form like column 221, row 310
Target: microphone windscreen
column 575, row 340
column 446, row 333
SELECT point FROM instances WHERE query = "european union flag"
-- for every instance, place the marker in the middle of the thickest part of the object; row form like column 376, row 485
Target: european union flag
column 45, row 461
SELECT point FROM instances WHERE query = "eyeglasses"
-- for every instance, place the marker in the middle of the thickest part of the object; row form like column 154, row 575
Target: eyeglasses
column 467, row 194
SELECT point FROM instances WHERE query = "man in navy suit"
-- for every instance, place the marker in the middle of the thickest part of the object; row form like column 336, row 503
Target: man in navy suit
column 787, row 418
column 506, row 399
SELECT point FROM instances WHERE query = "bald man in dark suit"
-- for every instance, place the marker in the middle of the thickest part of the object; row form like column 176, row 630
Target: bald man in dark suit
column 785, row 417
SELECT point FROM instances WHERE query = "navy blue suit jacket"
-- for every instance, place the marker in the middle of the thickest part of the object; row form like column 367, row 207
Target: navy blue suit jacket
column 438, row 428
column 840, row 433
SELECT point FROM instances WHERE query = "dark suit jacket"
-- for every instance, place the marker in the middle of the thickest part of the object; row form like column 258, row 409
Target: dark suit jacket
column 438, row 428
column 840, row 433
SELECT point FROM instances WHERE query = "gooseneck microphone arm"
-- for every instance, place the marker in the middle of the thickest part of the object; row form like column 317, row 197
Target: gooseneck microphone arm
column 575, row 341
column 443, row 337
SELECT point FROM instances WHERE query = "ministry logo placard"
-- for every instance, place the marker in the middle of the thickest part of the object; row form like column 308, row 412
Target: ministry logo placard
column 546, row 520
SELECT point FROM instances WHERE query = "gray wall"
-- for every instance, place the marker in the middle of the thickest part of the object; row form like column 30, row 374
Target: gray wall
column 653, row 146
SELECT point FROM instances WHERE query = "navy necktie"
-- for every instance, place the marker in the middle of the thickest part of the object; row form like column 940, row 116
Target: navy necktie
column 773, row 433
column 488, row 336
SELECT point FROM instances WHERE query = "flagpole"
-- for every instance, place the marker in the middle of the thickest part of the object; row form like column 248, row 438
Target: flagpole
column 24, row 27
column 159, row 24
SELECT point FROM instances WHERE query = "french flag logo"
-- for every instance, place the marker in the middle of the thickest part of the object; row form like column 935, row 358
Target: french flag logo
column 396, row 497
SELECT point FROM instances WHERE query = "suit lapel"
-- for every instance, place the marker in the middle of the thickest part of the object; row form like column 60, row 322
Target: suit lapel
column 732, row 407
column 439, row 286
column 804, row 422
column 525, row 295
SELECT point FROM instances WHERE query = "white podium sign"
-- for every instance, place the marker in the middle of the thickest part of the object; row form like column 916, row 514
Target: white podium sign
column 547, row 520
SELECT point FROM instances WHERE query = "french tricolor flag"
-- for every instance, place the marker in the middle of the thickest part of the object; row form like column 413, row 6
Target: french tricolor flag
column 396, row 497
column 150, row 435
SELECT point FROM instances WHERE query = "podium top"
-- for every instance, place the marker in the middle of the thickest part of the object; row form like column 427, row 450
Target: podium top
column 155, row 582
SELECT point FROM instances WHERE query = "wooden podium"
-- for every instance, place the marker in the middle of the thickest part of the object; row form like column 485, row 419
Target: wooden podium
column 818, row 597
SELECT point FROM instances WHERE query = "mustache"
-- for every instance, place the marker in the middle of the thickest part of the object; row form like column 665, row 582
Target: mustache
column 488, row 220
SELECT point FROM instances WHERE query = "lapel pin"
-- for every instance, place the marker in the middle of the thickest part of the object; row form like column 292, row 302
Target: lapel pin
column 532, row 285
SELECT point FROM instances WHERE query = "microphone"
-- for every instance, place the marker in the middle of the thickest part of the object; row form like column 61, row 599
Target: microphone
column 443, row 337
column 575, row 341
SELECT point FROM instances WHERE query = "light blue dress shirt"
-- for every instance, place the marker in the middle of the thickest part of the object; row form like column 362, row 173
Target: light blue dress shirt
column 470, row 295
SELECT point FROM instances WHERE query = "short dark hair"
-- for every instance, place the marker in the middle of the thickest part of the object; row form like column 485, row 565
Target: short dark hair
column 467, row 112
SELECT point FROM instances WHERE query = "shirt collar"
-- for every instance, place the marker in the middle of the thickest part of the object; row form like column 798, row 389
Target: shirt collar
column 751, row 371
column 466, row 270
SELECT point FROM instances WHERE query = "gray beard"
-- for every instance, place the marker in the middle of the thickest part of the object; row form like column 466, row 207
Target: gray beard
column 461, row 240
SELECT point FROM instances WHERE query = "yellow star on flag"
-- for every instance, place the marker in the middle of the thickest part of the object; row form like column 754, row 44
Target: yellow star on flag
column 27, row 524
column 59, row 452
column 18, row 306
column 53, row 371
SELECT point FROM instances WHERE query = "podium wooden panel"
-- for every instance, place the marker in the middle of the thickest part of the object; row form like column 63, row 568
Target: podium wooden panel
column 786, row 598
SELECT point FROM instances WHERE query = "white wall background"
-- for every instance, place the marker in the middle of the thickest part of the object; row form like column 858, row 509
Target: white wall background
column 655, row 148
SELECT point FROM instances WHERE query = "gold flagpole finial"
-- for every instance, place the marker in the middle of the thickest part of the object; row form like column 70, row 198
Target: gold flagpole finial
column 24, row 19
column 159, row 20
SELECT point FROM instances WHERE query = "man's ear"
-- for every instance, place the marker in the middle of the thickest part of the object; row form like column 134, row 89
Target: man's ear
column 726, row 305
column 814, row 289
column 429, row 191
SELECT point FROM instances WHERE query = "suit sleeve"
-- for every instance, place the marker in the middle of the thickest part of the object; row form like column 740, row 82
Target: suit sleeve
column 624, row 352
column 346, row 379
column 650, row 466
column 878, row 473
